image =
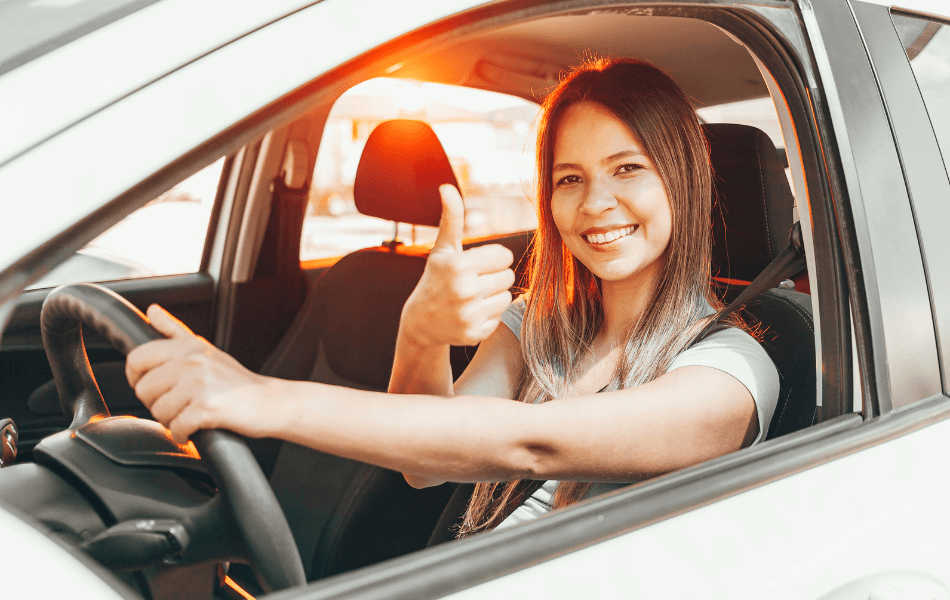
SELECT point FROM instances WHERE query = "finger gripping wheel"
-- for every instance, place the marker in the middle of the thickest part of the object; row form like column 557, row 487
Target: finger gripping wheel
column 259, row 518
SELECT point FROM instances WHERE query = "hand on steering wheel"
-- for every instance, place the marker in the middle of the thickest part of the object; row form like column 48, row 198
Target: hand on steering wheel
column 190, row 385
column 67, row 309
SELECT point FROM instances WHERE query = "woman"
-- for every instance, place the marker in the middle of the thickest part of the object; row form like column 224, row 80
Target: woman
column 619, row 291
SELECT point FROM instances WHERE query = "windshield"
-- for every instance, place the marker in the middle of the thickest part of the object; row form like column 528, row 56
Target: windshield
column 31, row 28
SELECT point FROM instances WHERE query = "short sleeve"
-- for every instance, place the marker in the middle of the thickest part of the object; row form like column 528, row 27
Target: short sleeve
column 735, row 352
column 514, row 315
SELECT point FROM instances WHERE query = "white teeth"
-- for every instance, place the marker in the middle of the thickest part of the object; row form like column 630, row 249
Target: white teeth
column 616, row 234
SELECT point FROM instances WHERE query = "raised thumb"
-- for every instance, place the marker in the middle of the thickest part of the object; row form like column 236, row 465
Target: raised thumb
column 452, row 224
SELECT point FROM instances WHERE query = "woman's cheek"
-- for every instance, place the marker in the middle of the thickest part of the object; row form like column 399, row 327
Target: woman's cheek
column 561, row 211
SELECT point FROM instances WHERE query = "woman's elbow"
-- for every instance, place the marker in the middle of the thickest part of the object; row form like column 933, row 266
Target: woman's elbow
column 419, row 481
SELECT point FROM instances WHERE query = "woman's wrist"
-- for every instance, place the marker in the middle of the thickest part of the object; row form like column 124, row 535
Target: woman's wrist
column 413, row 334
column 273, row 411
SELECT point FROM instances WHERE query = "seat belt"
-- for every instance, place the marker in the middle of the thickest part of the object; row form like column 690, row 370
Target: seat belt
column 788, row 263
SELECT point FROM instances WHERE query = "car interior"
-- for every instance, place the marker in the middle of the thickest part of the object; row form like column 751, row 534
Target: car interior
column 335, row 320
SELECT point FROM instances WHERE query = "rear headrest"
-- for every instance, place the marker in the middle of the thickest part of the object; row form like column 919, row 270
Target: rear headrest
column 400, row 171
column 753, row 200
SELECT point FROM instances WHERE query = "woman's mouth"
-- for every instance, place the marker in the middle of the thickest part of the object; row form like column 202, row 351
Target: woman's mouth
column 610, row 236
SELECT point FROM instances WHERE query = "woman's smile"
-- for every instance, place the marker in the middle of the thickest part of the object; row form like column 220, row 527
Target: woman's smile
column 608, row 200
column 599, row 239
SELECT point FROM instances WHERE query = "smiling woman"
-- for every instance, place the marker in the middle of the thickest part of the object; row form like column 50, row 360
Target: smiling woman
column 610, row 329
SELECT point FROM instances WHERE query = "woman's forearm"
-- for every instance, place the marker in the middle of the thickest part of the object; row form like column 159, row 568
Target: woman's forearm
column 684, row 417
column 425, row 437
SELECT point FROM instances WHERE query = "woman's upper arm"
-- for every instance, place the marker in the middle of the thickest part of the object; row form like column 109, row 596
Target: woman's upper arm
column 495, row 369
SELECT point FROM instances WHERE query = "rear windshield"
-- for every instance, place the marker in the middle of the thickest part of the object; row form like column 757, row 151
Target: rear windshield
column 31, row 28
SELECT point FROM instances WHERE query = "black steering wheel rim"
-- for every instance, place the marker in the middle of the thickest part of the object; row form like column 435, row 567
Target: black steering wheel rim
column 260, row 520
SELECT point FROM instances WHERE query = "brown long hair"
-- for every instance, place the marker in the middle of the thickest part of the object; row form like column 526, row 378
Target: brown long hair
column 564, row 306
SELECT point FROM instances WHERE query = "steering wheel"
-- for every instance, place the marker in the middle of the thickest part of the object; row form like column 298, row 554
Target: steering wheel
column 260, row 520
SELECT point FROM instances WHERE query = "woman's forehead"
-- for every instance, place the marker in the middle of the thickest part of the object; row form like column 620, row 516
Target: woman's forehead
column 590, row 132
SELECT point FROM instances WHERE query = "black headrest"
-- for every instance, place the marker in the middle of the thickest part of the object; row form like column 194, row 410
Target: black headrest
column 754, row 201
column 400, row 171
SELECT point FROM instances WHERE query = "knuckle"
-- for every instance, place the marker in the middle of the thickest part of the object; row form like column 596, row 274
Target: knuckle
column 457, row 288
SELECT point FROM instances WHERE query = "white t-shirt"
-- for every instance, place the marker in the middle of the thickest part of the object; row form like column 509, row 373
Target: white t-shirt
column 730, row 350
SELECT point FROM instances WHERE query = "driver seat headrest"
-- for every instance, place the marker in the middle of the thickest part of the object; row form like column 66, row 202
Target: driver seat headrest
column 752, row 214
column 399, row 174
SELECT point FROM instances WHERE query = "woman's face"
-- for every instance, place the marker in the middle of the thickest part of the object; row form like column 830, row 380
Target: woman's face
column 608, row 200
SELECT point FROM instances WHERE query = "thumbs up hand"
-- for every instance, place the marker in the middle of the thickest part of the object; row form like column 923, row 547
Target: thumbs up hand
column 462, row 293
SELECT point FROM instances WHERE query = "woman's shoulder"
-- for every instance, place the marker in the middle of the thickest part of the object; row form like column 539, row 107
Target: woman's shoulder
column 725, row 345
column 514, row 315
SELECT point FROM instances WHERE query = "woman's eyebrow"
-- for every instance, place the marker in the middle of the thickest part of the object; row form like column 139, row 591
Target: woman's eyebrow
column 561, row 166
column 623, row 154
column 616, row 156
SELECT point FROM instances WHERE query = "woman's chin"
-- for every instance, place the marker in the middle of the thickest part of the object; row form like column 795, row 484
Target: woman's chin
column 625, row 272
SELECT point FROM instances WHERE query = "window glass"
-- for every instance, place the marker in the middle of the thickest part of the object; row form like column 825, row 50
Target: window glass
column 164, row 237
column 489, row 138
column 927, row 44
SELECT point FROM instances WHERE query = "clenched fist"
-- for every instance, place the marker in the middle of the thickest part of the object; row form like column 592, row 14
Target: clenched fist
column 462, row 293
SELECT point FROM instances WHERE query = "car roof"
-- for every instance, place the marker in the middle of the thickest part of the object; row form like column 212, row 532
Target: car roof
column 528, row 58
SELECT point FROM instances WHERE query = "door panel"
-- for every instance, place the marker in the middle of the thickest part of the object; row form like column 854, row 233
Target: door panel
column 776, row 541
column 26, row 391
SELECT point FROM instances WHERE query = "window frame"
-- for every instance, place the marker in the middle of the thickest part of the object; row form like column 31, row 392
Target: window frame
column 920, row 159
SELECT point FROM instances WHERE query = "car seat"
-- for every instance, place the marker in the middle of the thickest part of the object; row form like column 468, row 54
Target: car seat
column 752, row 220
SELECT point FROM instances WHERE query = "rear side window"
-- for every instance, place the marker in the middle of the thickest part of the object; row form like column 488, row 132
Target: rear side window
column 489, row 138
column 927, row 44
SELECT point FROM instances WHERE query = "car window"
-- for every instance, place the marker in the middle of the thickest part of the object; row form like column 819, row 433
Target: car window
column 489, row 140
column 164, row 237
column 927, row 44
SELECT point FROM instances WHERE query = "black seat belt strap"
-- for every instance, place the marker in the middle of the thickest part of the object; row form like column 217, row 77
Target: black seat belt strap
column 788, row 263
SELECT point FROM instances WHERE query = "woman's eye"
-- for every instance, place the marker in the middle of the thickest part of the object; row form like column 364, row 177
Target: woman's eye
column 631, row 168
column 567, row 180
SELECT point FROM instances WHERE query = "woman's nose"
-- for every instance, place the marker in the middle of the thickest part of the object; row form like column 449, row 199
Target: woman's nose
column 598, row 198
